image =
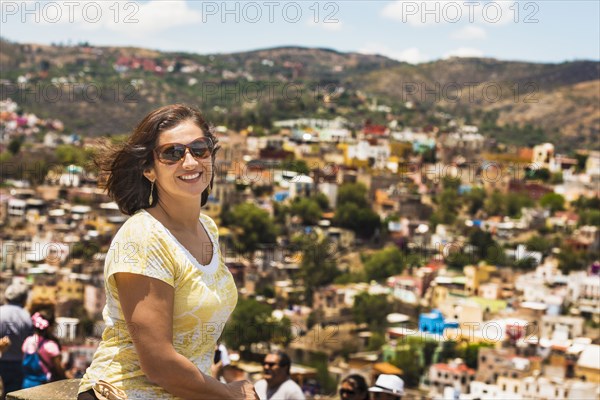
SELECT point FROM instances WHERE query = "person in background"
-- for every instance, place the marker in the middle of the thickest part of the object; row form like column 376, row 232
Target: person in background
column 387, row 387
column 277, row 383
column 354, row 387
column 15, row 326
column 41, row 352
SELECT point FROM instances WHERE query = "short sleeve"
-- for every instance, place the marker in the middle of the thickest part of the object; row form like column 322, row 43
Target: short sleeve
column 141, row 247
column 49, row 349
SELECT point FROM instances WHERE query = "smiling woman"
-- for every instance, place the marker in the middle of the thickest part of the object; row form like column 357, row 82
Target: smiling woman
column 168, row 290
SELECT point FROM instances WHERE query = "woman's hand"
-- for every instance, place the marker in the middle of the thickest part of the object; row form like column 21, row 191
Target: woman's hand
column 243, row 390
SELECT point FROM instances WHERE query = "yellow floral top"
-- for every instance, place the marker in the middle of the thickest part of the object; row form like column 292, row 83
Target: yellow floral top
column 205, row 296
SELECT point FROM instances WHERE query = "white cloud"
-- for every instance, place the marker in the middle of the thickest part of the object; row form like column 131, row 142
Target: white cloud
column 464, row 52
column 411, row 55
column 328, row 26
column 131, row 18
column 428, row 13
column 470, row 32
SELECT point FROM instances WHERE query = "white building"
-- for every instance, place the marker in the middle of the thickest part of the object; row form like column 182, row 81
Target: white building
column 584, row 291
column 364, row 151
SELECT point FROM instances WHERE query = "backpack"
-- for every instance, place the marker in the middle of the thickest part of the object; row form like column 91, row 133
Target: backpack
column 33, row 374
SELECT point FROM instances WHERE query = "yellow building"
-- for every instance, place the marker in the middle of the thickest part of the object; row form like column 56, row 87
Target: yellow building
column 69, row 291
column 43, row 294
column 475, row 276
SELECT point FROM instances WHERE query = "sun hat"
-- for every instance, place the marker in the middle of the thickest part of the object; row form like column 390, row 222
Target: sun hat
column 391, row 384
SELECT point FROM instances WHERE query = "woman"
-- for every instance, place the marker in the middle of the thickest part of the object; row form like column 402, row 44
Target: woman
column 354, row 387
column 41, row 352
column 168, row 290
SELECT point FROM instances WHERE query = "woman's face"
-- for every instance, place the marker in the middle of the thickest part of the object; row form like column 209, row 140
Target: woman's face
column 349, row 392
column 185, row 178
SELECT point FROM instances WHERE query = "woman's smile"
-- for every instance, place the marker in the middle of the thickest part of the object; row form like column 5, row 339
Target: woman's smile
column 191, row 177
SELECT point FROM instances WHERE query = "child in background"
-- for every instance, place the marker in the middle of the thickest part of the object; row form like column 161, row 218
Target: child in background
column 41, row 352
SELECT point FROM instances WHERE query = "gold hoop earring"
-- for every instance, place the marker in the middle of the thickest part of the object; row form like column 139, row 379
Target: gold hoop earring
column 151, row 198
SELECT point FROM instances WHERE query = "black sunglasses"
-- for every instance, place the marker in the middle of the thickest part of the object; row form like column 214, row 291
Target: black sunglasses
column 347, row 392
column 172, row 153
column 270, row 364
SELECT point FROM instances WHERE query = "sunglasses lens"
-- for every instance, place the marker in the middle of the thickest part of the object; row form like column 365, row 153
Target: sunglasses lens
column 175, row 152
column 201, row 148
column 172, row 153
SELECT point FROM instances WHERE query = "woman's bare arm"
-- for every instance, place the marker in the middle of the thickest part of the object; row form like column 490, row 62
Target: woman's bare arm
column 147, row 305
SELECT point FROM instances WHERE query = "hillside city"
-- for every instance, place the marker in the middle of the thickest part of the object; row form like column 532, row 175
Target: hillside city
column 467, row 266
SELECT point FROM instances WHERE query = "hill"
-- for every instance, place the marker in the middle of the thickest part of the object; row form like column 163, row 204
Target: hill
column 104, row 90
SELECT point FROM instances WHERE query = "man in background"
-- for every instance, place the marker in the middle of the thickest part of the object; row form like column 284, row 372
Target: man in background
column 277, row 383
column 15, row 324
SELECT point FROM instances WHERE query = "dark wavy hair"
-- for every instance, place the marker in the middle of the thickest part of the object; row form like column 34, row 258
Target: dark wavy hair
column 122, row 166
column 359, row 384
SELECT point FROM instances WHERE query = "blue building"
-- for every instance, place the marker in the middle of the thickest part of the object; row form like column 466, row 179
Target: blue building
column 434, row 322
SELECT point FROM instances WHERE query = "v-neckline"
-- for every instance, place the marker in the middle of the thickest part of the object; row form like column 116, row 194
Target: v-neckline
column 211, row 266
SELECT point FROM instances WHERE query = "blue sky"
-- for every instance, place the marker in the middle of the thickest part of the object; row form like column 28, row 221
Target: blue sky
column 412, row 31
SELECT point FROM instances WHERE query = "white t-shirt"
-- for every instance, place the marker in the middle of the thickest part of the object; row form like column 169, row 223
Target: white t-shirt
column 288, row 390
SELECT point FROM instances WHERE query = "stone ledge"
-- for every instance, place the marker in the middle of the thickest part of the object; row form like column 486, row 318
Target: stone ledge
column 60, row 390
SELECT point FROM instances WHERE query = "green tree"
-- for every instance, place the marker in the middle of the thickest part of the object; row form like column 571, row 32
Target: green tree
column 475, row 200
column 514, row 203
column 252, row 322
column 409, row 357
column 589, row 217
column 318, row 266
column 553, row 201
column 448, row 203
column 469, row 352
column 572, row 260
column 14, row 146
column 363, row 221
column 493, row 205
column 255, row 227
column 371, row 309
column 542, row 174
column 376, row 341
column 487, row 248
column 298, row 166
column 307, row 209
column 450, row 183
column 539, row 243
column 384, row 263
column 585, row 203
column 68, row 154
column 355, row 193
column 321, row 200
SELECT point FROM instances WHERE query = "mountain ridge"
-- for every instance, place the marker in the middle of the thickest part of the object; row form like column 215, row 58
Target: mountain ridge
column 362, row 80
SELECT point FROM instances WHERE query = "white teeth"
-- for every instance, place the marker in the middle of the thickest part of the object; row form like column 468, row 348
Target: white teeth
column 190, row 177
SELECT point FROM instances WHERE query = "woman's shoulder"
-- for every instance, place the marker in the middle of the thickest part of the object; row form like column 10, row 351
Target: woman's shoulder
column 138, row 226
column 209, row 223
